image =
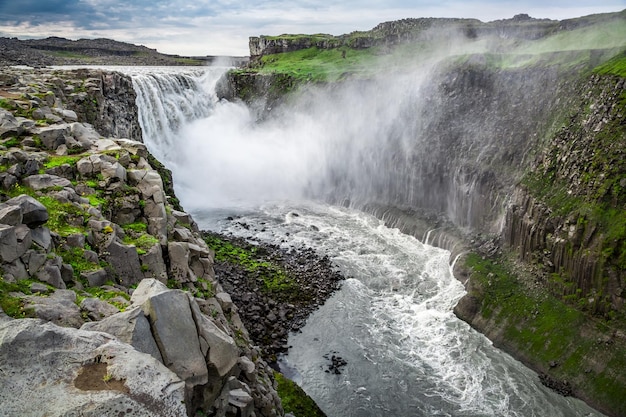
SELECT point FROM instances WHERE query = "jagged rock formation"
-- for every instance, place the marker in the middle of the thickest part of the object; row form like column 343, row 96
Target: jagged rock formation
column 85, row 223
column 585, row 163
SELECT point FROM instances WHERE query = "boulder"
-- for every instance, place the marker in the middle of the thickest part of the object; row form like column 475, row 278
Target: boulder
column 85, row 134
column 11, row 215
column 34, row 260
column 133, row 146
column 95, row 278
column 176, row 335
column 51, row 273
column 54, row 136
column 9, row 125
column 124, row 262
column 221, row 350
column 79, row 372
column 66, row 114
column 8, row 243
column 43, row 181
column 34, row 214
column 41, row 236
column 17, row 269
column 24, row 239
column 130, row 326
column 153, row 264
column 98, row 309
column 59, row 308
column 179, row 262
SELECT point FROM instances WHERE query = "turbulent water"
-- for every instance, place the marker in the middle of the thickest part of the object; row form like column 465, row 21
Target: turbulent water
column 392, row 321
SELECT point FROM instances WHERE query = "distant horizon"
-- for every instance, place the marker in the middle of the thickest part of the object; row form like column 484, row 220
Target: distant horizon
column 202, row 29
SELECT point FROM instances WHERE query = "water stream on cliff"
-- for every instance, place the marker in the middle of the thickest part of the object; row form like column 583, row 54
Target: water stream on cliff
column 392, row 321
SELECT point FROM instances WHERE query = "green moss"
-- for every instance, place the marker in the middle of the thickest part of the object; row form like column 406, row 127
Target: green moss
column 294, row 399
column 107, row 295
column 76, row 258
column 65, row 218
column 136, row 235
column 12, row 142
column 616, row 66
column 138, row 227
column 275, row 279
column 543, row 329
column 58, row 160
column 11, row 305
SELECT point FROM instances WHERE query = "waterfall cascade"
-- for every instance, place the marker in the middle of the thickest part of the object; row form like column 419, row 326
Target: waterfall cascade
column 440, row 139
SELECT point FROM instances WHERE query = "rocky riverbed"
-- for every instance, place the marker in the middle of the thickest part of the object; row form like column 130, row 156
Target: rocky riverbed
column 270, row 313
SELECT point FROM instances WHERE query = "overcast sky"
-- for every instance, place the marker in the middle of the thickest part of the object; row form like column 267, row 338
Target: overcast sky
column 222, row 27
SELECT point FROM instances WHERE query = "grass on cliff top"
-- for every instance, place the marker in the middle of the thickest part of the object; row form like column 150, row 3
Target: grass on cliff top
column 544, row 329
column 566, row 47
column 319, row 65
column 616, row 66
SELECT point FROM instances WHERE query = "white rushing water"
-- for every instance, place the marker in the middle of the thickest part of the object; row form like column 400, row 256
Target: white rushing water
column 392, row 321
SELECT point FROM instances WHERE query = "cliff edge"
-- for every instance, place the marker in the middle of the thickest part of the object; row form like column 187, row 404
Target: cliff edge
column 109, row 302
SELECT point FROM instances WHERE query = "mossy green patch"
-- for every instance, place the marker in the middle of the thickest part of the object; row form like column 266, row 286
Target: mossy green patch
column 615, row 66
column 275, row 279
column 294, row 399
column 136, row 235
column 107, row 295
column 14, row 306
column 320, row 65
column 58, row 160
column 76, row 258
column 543, row 329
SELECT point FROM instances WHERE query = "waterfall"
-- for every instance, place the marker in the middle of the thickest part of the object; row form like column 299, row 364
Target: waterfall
column 170, row 98
column 436, row 137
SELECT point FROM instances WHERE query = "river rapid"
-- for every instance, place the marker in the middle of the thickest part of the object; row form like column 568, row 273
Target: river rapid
column 406, row 352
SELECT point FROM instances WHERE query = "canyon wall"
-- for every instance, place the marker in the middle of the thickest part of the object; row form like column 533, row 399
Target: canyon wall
column 109, row 302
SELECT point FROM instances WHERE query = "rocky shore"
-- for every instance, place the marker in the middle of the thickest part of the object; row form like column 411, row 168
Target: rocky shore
column 270, row 314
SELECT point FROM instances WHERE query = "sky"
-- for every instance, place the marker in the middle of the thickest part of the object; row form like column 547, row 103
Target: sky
column 222, row 27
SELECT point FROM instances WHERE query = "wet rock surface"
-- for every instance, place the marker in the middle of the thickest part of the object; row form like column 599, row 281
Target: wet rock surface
column 270, row 316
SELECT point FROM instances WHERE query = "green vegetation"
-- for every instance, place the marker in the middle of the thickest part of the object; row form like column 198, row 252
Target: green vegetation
column 58, row 160
column 136, row 235
column 615, row 66
column 317, row 65
column 275, row 279
column 76, row 258
column 108, row 295
column 69, row 54
column 544, row 329
column 13, row 306
column 294, row 399
column 64, row 218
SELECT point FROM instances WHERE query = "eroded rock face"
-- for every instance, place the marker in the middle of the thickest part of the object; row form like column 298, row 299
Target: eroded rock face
column 169, row 325
column 78, row 372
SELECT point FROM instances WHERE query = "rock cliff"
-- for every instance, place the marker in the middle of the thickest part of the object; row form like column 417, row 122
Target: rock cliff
column 564, row 273
column 109, row 299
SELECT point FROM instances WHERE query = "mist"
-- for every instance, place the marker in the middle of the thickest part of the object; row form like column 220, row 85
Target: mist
column 426, row 132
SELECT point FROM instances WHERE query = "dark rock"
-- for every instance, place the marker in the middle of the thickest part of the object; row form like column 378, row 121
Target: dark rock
column 34, row 214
